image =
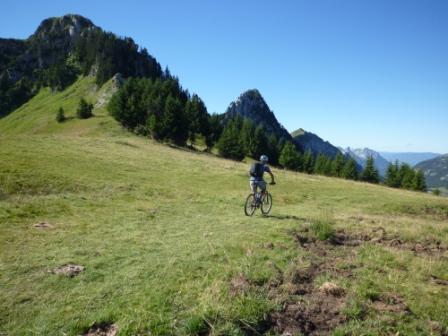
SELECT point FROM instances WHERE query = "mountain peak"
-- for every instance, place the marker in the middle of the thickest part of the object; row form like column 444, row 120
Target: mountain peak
column 251, row 105
column 68, row 25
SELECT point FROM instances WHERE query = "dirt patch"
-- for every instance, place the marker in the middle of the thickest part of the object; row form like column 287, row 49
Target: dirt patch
column 307, row 309
column 43, row 225
column 377, row 235
column 69, row 270
column 102, row 329
column 239, row 284
column 330, row 288
column 438, row 281
column 391, row 303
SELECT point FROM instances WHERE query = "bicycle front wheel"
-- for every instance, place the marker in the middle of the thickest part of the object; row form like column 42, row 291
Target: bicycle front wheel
column 250, row 205
column 266, row 204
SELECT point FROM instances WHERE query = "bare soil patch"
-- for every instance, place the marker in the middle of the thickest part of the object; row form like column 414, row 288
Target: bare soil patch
column 69, row 270
column 102, row 329
column 439, row 281
column 239, row 284
column 43, row 225
column 377, row 235
column 391, row 303
column 317, row 310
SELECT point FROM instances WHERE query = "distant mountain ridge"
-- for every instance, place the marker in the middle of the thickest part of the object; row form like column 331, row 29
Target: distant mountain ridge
column 308, row 141
column 436, row 171
column 251, row 105
column 411, row 158
column 360, row 155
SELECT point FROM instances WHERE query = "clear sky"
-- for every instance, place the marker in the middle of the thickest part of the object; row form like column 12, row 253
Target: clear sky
column 358, row 73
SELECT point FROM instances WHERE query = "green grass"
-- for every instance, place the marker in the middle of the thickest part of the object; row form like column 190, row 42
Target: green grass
column 162, row 232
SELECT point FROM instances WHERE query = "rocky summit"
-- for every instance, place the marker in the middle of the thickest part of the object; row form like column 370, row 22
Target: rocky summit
column 251, row 105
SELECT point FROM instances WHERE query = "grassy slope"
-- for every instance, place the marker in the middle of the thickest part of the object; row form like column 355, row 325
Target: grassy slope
column 161, row 233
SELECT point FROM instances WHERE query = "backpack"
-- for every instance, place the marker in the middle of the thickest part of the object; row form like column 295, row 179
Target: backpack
column 256, row 170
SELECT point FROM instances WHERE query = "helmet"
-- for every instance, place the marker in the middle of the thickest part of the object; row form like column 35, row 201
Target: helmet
column 264, row 158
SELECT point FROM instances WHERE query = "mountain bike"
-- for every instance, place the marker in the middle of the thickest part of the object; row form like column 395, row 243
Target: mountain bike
column 259, row 200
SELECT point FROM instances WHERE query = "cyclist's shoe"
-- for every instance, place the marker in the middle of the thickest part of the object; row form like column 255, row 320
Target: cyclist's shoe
column 272, row 183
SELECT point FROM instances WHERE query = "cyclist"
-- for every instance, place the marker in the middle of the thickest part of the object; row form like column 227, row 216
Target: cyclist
column 256, row 175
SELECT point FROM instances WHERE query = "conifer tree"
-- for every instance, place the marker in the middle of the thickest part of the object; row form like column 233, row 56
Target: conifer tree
column 260, row 142
column 308, row 162
column 321, row 164
column 407, row 175
column 289, row 157
column 247, row 136
column 419, row 182
column 230, row 144
column 175, row 121
column 84, row 110
column 60, row 116
column 349, row 171
column 337, row 165
column 370, row 173
column 215, row 130
column 392, row 178
column 197, row 115
column 273, row 152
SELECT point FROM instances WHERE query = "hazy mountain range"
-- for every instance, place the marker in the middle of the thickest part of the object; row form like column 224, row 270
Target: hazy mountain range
column 411, row 158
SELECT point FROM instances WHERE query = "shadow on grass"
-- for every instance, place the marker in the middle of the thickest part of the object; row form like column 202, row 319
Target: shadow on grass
column 288, row 217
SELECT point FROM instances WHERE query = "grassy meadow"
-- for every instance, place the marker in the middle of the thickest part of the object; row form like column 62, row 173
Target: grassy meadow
column 167, row 249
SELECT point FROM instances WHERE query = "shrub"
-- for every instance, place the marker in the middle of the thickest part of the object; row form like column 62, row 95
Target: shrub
column 60, row 116
column 84, row 110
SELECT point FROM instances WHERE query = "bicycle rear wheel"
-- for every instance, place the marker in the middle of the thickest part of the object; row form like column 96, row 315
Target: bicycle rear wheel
column 266, row 204
column 250, row 205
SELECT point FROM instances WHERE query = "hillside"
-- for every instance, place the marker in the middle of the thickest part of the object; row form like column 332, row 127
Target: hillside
column 436, row 171
column 167, row 250
column 308, row 141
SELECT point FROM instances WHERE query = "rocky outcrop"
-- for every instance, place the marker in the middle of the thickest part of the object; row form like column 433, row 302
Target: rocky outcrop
column 251, row 105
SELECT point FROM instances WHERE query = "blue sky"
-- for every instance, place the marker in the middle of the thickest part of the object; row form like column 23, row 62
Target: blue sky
column 356, row 72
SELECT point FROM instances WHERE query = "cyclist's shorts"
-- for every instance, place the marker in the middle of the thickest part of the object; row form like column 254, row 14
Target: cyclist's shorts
column 259, row 184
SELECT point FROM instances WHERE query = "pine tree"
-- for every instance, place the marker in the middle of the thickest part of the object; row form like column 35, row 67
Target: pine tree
column 407, row 175
column 370, row 173
column 175, row 121
column 322, row 165
column 214, row 132
column 419, row 182
column 337, row 165
column 60, row 116
column 230, row 144
column 197, row 115
column 273, row 152
column 392, row 175
column 260, row 142
column 84, row 110
column 349, row 171
column 308, row 162
column 247, row 136
column 289, row 157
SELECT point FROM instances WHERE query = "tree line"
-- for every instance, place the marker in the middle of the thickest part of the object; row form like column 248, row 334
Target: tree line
column 162, row 109
column 401, row 175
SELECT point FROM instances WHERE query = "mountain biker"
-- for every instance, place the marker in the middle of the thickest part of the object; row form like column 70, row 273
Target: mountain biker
column 256, row 175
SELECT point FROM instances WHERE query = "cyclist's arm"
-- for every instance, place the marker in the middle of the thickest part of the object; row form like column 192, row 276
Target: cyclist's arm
column 272, row 176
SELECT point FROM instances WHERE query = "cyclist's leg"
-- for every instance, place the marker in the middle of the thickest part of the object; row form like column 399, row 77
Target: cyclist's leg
column 253, row 187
